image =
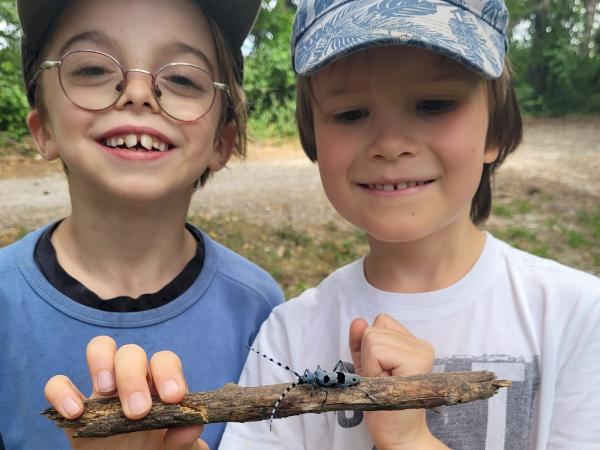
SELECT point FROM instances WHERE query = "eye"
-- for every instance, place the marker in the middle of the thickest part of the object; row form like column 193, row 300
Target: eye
column 185, row 81
column 90, row 71
column 351, row 116
column 181, row 81
column 435, row 106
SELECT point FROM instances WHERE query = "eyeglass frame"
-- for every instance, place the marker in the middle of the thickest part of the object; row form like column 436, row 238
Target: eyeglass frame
column 49, row 64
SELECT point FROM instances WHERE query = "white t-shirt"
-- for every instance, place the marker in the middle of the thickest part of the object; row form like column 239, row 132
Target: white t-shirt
column 528, row 319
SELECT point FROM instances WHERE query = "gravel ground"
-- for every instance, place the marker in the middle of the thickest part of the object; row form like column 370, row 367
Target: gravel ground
column 278, row 184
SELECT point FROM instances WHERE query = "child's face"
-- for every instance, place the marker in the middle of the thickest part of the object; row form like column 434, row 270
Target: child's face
column 144, row 34
column 400, row 136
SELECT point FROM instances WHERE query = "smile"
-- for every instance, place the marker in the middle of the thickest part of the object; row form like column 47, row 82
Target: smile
column 388, row 187
column 137, row 142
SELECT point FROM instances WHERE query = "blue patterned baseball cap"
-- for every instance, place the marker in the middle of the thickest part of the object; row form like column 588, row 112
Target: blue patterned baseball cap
column 472, row 32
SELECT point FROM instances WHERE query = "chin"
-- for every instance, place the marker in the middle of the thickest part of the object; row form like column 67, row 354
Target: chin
column 397, row 232
column 148, row 192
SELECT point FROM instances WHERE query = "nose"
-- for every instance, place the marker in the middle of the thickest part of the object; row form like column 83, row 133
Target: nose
column 392, row 139
column 138, row 92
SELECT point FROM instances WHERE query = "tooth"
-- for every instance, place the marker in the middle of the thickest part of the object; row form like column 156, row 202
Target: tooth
column 131, row 140
column 160, row 146
column 121, row 141
column 379, row 187
column 412, row 184
column 146, row 141
column 114, row 141
column 402, row 186
column 388, row 187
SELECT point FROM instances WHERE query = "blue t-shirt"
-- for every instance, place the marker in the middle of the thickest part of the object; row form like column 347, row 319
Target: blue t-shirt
column 44, row 333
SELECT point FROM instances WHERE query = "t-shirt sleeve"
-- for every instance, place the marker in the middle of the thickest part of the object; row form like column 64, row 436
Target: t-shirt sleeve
column 575, row 423
column 287, row 433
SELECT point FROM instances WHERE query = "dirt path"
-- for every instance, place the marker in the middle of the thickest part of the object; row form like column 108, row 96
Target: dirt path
column 278, row 184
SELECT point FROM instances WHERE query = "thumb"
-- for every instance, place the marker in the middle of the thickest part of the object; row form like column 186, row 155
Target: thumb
column 357, row 328
column 185, row 438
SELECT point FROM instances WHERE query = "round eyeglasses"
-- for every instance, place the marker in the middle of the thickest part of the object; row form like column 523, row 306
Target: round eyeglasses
column 95, row 81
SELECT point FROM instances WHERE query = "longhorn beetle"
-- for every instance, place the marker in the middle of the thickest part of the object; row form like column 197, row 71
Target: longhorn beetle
column 319, row 378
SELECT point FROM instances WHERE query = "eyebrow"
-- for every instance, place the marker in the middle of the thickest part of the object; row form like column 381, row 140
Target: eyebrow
column 95, row 36
column 182, row 48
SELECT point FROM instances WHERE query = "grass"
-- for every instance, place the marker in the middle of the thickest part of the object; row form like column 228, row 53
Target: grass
column 548, row 227
column 297, row 258
column 300, row 257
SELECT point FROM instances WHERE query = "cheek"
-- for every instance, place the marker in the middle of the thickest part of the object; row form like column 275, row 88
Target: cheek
column 333, row 158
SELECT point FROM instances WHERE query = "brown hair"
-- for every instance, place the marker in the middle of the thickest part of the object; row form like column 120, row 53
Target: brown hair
column 505, row 131
column 234, row 106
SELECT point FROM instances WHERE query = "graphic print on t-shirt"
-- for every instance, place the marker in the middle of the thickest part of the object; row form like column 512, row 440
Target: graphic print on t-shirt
column 502, row 422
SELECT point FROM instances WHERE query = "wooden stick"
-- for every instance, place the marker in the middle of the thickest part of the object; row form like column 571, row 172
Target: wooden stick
column 232, row 403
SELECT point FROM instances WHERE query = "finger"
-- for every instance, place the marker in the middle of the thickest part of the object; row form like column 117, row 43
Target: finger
column 386, row 360
column 385, row 336
column 185, row 439
column 357, row 329
column 389, row 352
column 131, row 372
column 388, row 322
column 167, row 374
column 64, row 396
column 100, row 355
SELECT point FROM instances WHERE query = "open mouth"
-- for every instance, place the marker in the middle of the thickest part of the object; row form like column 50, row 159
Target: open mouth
column 396, row 186
column 137, row 142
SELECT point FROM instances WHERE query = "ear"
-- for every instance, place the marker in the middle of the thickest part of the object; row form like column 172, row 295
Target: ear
column 223, row 147
column 43, row 138
column 491, row 154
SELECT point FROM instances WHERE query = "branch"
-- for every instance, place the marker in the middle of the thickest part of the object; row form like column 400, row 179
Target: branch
column 232, row 403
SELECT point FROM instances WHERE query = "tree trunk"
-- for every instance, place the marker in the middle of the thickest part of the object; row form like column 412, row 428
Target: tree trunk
column 539, row 70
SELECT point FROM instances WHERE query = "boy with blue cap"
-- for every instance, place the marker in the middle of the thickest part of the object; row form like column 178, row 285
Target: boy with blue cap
column 407, row 107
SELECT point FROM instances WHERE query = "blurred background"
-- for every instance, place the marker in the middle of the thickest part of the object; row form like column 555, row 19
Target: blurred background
column 271, row 207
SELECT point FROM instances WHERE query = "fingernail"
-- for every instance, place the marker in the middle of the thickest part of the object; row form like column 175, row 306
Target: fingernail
column 106, row 381
column 137, row 403
column 170, row 387
column 70, row 407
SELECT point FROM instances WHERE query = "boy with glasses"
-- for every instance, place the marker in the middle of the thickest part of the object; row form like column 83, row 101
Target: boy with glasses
column 141, row 100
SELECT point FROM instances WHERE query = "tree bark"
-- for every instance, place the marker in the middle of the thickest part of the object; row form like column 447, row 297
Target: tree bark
column 232, row 403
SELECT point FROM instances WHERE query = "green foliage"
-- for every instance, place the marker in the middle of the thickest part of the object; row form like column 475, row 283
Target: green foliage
column 556, row 56
column 270, row 80
column 13, row 102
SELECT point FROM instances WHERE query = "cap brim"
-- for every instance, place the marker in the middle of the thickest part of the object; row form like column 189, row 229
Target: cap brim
column 434, row 25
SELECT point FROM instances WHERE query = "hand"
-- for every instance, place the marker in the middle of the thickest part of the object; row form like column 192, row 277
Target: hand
column 126, row 372
column 386, row 349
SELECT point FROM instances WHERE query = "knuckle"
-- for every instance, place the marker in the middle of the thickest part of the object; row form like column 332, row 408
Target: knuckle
column 380, row 318
column 427, row 346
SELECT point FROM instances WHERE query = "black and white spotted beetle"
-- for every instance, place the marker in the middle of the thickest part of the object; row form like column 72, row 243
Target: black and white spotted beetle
column 319, row 378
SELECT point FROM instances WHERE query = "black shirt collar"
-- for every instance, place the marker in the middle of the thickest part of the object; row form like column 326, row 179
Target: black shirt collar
column 45, row 258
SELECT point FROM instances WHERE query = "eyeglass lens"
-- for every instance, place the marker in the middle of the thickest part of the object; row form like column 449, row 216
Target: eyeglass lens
column 94, row 81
